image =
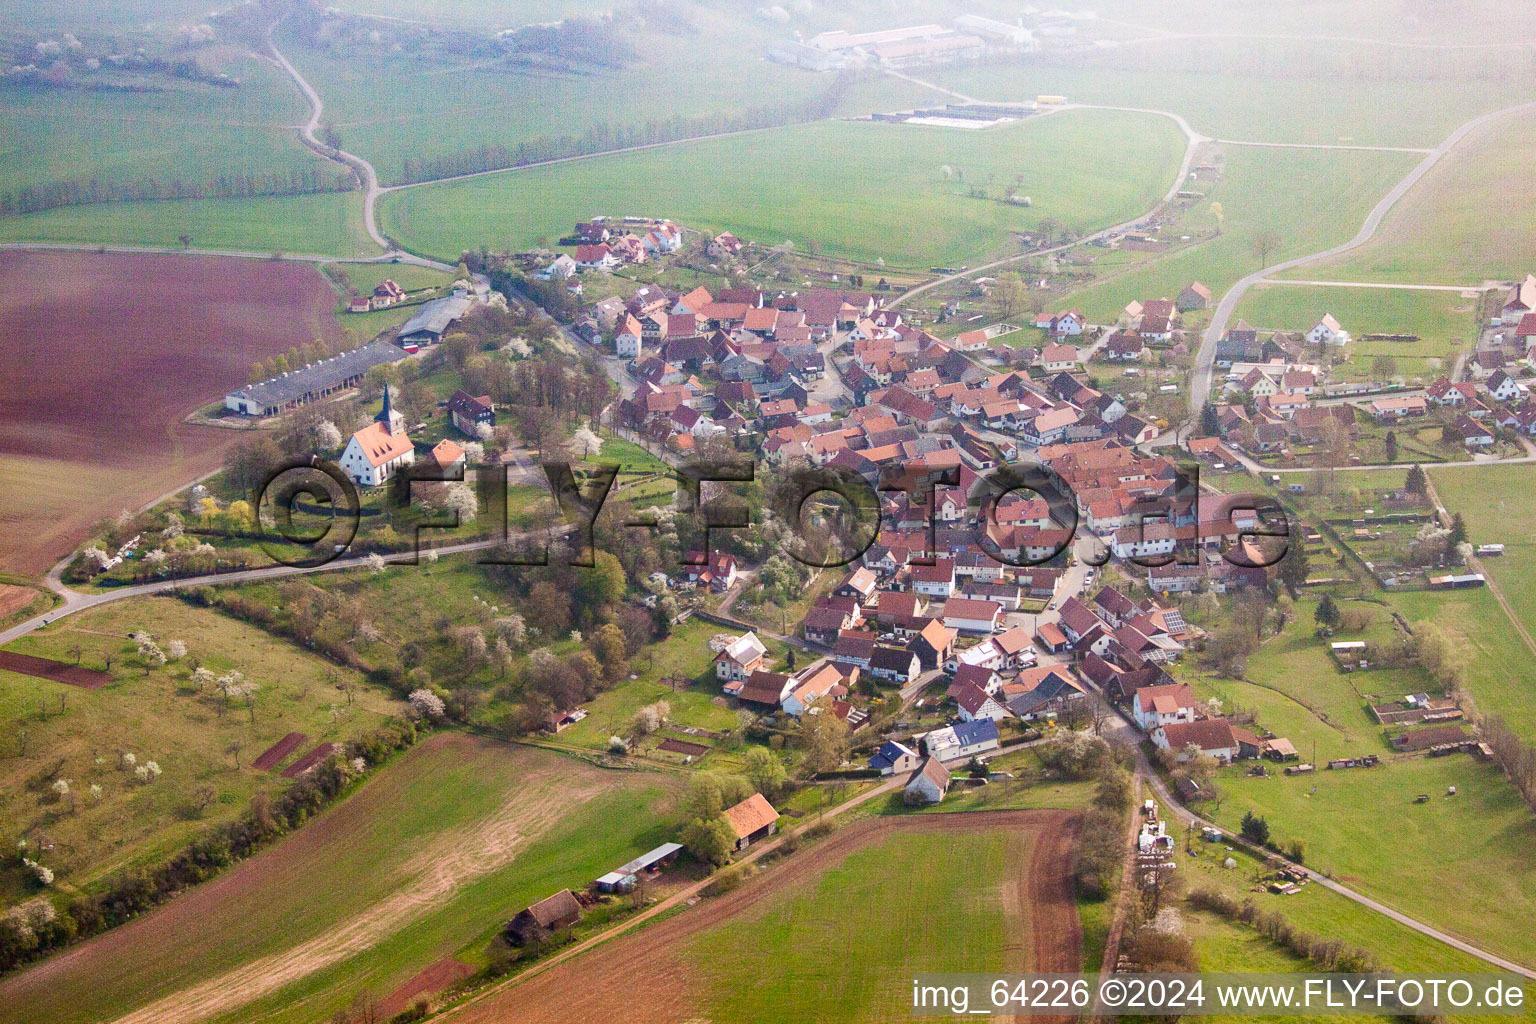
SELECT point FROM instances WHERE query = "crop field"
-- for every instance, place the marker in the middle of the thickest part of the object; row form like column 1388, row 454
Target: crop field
column 320, row 225
column 475, row 830
column 1470, row 219
column 894, row 202
column 834, row 932
column 96, row 388
column 1308, row 199
column 1445, row 323
column 1361, row 824
column 55, row 731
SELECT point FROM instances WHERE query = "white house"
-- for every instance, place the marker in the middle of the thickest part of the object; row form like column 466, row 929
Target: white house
column 379, row 450
column 740, row 658
column 562, row 268
column 976, row 703
column 627, row 342
column 970, row 616
column 1156, row 706
column 963, row 739
column 814, row 684
column 937, row 580
column 1059, row 358
column 1327, row 331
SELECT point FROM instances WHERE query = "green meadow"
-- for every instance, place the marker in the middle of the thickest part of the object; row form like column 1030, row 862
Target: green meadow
column 868, row 191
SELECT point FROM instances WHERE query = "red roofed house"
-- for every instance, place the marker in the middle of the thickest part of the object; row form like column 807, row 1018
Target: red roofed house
column 1213, row 737
column 1156, row 706
column 596, row 257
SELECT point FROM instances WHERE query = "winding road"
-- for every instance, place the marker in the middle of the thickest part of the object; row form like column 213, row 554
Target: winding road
column 1205, row 358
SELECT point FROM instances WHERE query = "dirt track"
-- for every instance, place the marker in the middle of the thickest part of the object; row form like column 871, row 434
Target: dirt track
column 637, row 979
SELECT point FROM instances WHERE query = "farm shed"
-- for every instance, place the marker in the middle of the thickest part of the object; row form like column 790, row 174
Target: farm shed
column 1423, row 739
column 928, row 784
column 622, row 879
column 752, row 820
column 432, row 320
column 311, row 383
column 551, row 914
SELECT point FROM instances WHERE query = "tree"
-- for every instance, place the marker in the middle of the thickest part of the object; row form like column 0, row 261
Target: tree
column 710, row 839
column 1416, row 482
column 461, row 500
column 233, row 750
column 1263, row 245
column 1255, row 829
column 823, row 735
column 185, row 240
column 1010, row 294
column 1391, row 445
column 1294, row 568
column 1383, row 367
column 608, row 646
column 1458, row 535
column 1210, row 425
column 1220, row 214
column 1327, row 613
column 764, row 770
column 250, row 461
column 605, row 582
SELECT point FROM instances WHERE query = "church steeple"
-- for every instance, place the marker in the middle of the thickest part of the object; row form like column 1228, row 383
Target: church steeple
column 393, row 422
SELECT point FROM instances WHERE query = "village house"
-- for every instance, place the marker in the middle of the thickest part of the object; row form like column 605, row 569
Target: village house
column 893, row 758
column 469, row 413
column 1156, row 706
column 1213, row 737
column 743, row 656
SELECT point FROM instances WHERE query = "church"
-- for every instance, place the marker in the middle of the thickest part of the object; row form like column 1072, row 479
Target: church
column 379, row 450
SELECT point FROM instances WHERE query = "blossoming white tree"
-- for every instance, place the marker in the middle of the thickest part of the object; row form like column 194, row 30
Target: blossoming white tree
column 426, row 704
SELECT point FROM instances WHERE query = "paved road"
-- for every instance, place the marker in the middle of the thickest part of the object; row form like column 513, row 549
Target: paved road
column 1116, row 727
column 362, row 168
column 1382, row 284
column 1324, row 145
column 1205, row 358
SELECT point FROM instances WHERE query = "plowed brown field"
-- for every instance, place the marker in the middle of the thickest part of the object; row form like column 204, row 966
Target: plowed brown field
column 104, row 354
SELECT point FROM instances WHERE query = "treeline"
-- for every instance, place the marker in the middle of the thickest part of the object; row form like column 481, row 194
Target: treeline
column 1323, row 953
column 37, row 928
column 1101, row 843
column 603, row 137
column 86, row 191
column 1514, row 755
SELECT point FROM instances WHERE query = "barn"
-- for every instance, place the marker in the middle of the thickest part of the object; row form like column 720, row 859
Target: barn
column 432, row 320
column 558, row 911
column 311, row 383
column 752, row 820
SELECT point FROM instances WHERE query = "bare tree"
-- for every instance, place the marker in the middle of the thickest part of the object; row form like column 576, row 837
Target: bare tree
column 1265, row 244
column 234, row 751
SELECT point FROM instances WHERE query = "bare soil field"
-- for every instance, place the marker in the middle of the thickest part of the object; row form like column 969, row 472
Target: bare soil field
column 641, row 978
column 273, row 755
column 105, row 354
column 58, row 671
column 429, row 982
column 14, row 599
column 309, row 760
